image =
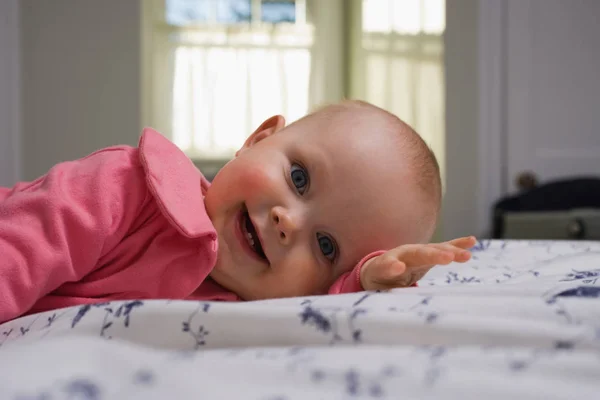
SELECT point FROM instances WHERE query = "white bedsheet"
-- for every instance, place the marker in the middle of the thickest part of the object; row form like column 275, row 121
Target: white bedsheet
column 520, row 321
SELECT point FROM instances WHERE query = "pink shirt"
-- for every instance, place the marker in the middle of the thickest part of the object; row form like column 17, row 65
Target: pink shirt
column 121, row 223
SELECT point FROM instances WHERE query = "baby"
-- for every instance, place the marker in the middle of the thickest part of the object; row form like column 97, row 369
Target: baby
column 342, row 200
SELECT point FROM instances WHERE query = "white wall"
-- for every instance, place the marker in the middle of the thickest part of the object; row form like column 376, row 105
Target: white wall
column 9, row 92
column 460, row 207
column 81, row 78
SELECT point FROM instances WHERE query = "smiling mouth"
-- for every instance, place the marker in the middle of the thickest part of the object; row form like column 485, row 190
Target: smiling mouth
column 251, row 235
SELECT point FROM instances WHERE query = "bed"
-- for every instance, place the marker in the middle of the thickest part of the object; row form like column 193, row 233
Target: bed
column 521, row 320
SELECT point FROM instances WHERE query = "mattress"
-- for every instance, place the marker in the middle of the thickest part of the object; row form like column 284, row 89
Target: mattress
column 521, row 320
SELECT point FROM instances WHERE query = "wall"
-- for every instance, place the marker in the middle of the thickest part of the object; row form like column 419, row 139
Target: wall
column 9, row 92
column 461, row 201
column 81, row 80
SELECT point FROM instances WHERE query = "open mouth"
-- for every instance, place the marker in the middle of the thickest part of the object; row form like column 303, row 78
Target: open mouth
column 251, row 236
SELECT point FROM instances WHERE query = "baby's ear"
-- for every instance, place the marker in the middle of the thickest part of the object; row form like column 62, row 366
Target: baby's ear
column 266, row 129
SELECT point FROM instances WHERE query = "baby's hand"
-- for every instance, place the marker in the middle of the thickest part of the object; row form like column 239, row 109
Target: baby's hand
column 405, row 265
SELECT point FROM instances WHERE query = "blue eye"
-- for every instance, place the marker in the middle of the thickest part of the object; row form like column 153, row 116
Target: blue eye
column 299, row 178
column 327, row 246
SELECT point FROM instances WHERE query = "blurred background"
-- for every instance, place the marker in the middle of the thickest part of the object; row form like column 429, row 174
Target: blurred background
column 506, row 92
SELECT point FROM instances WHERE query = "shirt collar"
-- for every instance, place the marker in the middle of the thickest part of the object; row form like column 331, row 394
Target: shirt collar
column 176, row 184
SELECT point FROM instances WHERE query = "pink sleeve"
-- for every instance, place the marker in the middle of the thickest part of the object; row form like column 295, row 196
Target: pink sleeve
column 350, row 281
column 55, row 229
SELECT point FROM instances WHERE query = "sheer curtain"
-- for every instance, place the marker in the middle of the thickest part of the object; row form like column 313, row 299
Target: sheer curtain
column 398, row 63
column 221, row 67
column 222, row 92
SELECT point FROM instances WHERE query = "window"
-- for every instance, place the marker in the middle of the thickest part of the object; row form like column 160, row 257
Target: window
column 221, row 67
column 218, row 68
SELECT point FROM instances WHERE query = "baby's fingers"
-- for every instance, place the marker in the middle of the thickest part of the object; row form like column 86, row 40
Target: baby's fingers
column 466, row 242
column 416, row 255
column 460, row 254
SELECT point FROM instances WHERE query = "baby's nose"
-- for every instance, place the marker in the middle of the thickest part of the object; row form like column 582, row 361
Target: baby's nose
column 285, row 225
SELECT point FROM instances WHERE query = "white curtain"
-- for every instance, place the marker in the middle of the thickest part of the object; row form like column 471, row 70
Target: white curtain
column 223, row 89
column 212, row 84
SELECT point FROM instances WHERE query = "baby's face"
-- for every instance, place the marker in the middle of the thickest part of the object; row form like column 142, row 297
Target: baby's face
column 300, row 206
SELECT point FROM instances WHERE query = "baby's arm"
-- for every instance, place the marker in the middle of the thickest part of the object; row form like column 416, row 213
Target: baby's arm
column 55, row 229
column 402, row 266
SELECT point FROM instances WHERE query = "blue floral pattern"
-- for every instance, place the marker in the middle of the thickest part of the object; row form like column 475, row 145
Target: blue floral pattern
column 522, row 318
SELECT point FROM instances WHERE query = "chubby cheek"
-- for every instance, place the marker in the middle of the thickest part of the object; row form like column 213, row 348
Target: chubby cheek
column 301, row 277
column 234, row 182
column 254, row 178
column 261, row 181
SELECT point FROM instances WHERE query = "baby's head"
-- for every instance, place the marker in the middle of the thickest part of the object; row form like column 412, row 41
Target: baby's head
column 300, row 205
